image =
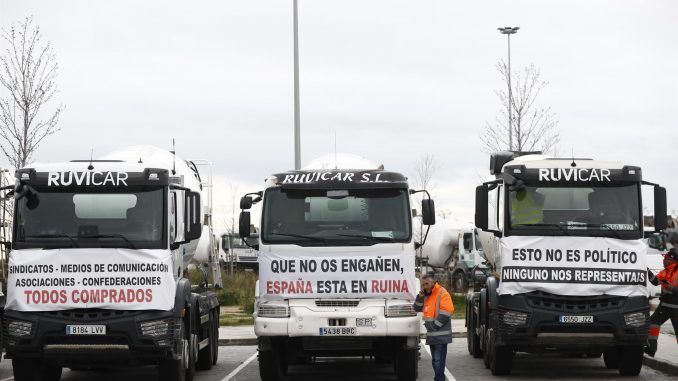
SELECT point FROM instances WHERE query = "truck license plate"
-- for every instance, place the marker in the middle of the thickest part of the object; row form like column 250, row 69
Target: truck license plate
column 337, row 331
column 363, row 322
column 576, row 319
column 85, row 329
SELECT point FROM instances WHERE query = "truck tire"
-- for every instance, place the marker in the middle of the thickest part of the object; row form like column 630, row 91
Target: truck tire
column 472, row 338
column 24, row 370
column 269, row 366
column 500, row 356
column 215, row 348
column 178, row 370
column 611, row 358
column 206, row 355
column 485, row 340
column 35, row 370
column 407, row 364
column 630, row 360
column 47, row 372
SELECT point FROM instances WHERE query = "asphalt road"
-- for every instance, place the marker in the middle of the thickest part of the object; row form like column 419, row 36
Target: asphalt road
column 239, row 363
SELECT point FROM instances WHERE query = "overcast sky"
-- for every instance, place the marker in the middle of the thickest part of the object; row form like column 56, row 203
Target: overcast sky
column 394, row 79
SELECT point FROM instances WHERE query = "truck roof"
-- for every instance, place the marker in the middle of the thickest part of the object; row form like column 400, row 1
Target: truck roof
column 542, row 161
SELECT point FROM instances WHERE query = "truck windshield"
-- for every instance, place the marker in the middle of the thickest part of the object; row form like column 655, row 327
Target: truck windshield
column 609, row 210
column 133, row 219
column 336, row 218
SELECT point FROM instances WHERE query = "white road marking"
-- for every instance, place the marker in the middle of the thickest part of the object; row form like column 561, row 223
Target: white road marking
column 236, row 370
column 7, row 379
column 448, row 374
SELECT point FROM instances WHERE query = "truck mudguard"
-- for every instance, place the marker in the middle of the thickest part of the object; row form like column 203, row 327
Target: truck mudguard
column 182, row 296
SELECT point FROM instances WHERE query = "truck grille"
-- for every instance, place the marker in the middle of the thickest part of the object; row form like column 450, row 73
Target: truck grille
column 573, row 304
column 337, row 303
column 91, row 313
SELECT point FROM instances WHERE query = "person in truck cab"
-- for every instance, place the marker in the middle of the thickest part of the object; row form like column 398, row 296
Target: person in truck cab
column 436, row 304
column 668, row 301
column 527, row 206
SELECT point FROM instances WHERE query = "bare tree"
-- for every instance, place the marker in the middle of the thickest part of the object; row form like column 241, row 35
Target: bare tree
column 533, row 126
column 28, row 70
column 424, row 170
column 444, row 213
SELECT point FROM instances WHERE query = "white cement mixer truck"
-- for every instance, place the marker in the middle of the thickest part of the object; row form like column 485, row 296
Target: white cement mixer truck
column 97, row 267
column 453, row 251
column 336, row 268
column 564, row 242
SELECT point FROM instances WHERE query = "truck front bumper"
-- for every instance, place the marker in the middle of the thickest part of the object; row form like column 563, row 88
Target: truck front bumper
column 308, row 320
column 533, row 320
column 122, row 344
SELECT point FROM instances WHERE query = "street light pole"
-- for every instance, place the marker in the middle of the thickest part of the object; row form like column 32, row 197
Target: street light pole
column 508, row 31
column 297, row 138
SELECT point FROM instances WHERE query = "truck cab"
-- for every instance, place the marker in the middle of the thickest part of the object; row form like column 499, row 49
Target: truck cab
column 336, row 268
column 563, row 239
column 97, row 270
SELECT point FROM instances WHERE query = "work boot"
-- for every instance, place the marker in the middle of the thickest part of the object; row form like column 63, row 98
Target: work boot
column 651, row 347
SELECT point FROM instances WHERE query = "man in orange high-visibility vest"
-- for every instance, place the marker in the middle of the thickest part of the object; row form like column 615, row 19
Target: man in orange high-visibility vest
column 436, row 304
column 668, row 301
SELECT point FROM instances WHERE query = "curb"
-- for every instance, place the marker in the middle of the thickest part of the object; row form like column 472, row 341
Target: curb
column 667, row 367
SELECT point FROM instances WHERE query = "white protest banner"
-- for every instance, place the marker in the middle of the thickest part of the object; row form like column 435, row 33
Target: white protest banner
column 573, row 266
column 329, row 274
column 60, row 279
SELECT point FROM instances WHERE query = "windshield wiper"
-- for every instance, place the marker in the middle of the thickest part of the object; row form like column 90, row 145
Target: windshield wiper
column 317, row 239
column 75, row 244
column 378, row 238
column 559, row 226
column 131, row 245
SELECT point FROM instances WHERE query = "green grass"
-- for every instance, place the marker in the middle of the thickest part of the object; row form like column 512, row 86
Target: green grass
column 236, row 319
column 238, row 290
column 459, row 301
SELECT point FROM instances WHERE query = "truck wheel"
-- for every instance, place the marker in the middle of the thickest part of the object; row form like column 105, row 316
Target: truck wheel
column 269, row 366
column 630, row 360
column 611, row 358
column 206, row 355
column 47, row 372
column 178, row 370
column 407, row 368
column 24, row 370
column 501, row 356
column 215, row 348
column 486, row 346
column 472, row 338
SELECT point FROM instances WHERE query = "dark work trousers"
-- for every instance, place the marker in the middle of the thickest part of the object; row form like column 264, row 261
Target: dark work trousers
column 438, row 357
column 659, row 317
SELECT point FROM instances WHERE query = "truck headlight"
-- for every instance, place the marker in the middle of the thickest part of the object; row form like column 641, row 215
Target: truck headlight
column 514, row 318
column 635, row 319
column 273, row 311
column 400, row 310
column 19, row 328
column 155, row 328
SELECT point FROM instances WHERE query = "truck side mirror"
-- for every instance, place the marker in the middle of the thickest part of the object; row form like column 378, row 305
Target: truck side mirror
column 659, row 208
column 246, row 202
column 192, row 216
column 428, row 212
column 481, row 207
column 244, row 224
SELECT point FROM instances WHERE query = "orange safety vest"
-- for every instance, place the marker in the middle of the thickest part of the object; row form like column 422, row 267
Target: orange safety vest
column 439, row 300
column 669, row 276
